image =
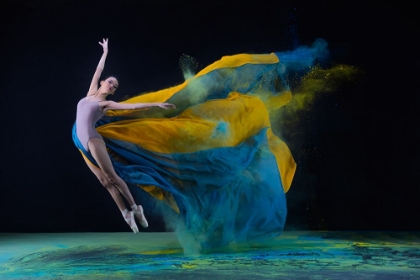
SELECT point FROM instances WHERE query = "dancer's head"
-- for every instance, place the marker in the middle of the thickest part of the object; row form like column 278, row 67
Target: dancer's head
column 109, row 85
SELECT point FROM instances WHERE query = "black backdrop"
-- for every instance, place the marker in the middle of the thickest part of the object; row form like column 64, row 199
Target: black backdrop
column 356, row 149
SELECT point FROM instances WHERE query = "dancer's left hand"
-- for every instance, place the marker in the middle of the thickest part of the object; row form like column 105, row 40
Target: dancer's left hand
column 104, row 44
column 166, row 105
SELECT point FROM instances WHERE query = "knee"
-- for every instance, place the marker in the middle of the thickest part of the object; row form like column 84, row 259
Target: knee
column 111, row 178
column 105, row 182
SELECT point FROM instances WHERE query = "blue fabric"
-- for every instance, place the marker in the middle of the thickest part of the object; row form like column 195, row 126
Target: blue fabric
column 224, row 194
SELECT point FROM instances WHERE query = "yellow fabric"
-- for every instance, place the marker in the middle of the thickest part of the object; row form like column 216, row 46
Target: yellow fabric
column 196, row 129
column 284, row 158
column 225, row 62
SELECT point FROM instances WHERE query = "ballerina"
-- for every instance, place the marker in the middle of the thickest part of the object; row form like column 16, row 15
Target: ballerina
column 91, row 109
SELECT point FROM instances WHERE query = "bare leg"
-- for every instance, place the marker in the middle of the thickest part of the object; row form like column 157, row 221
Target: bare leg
column 107, row 176
column 99, row 153
column 115, row 193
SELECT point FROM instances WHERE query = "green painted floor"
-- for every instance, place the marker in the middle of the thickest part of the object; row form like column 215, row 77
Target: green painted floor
column 293, row 255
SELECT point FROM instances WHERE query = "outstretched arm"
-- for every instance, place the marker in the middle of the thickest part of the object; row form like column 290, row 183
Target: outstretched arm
column 111, row 105
column 95, row 80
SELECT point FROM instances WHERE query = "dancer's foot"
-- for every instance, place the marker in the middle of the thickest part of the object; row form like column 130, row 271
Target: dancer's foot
column 129, row 218
column 138, row 212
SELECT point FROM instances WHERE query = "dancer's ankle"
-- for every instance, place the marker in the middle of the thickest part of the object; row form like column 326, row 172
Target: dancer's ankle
column 135, row 207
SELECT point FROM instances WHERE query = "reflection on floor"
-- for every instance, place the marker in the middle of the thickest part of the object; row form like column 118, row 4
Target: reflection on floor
column 161, row 255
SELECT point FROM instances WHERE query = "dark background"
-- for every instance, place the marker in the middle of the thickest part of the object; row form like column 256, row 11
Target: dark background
column 356, row 148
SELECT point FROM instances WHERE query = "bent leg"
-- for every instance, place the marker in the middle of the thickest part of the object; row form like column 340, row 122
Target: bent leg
column 98, row 150
column 115, row 193
column 100, row 154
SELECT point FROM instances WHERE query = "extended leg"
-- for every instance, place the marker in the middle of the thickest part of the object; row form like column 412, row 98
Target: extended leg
column 113, row 191
column 99, row 152
column 116, row 195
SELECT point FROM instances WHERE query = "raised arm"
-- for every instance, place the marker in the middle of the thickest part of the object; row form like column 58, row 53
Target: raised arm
column 112, row 105
column 95, row 80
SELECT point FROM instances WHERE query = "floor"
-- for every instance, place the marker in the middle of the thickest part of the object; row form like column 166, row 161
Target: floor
column 164, row 255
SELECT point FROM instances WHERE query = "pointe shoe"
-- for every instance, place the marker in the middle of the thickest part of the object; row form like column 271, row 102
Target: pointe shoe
column 138, row 212
column 129, row 218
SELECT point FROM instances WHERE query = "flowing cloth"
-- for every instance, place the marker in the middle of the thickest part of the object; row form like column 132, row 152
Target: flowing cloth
column 215, row 159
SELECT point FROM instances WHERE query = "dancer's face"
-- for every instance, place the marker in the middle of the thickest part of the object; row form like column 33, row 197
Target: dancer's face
column 110, row 85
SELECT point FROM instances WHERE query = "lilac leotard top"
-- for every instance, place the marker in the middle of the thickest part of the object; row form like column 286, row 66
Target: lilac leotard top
column 87, row 115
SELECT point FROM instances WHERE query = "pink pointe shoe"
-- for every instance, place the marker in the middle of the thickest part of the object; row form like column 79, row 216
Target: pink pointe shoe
column 129, row 218
column 138, row 212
